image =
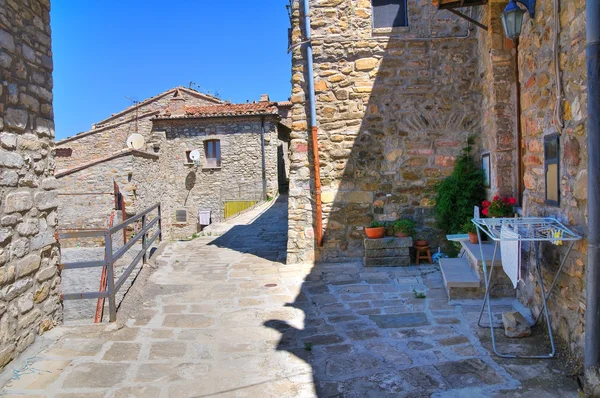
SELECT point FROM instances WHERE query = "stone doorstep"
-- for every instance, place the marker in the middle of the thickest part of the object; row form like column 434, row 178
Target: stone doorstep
column 389, row 242
column 400, row 261
column 401, row 252
column 460, row 280
column 474, row 254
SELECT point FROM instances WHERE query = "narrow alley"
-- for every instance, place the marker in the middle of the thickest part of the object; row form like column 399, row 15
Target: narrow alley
column 226, row 317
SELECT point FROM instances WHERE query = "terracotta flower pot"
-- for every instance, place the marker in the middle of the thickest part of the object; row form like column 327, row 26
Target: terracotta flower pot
column 473, row 237
column 401, row 235
column 375, row 233
column 421, row 242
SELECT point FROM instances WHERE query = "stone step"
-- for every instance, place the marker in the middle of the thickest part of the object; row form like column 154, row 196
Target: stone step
column 397, row 261
column 459, row 278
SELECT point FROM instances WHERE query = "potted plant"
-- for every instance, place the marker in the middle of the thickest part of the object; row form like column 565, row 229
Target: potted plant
column 499, row 207
column 471, row 229
column 376, row 230
column 404, row 228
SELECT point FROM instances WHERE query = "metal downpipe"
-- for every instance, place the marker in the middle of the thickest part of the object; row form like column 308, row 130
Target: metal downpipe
column 592, row 315
column 263, row 160
column 313, row 125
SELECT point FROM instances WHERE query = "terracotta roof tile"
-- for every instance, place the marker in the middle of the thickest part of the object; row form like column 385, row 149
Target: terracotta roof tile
column 250, row 109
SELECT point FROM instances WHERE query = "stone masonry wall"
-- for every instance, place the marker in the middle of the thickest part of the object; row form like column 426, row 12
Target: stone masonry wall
column 538, row 93
column 393, row 112
column 191, row 188
column 498, row 118
column 110, row 136
column 29, row 254
column 134, row 173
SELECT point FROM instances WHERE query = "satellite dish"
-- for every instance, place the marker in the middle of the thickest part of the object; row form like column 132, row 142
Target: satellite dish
column 135, row 141
column 195, row 155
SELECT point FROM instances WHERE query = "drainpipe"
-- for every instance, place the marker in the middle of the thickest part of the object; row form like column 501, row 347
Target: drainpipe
column 313, row 125
column 264, row 164
column 592, row 314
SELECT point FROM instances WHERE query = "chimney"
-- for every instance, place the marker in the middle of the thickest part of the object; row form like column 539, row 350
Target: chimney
column 264, row 98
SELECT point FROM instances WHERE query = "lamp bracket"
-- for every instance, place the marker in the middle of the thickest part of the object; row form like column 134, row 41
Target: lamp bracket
column 529, row 5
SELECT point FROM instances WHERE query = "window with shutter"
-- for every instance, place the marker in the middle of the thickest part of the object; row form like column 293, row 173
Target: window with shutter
column 212, row 151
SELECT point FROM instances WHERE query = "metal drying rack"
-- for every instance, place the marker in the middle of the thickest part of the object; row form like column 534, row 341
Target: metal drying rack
column 529, row 229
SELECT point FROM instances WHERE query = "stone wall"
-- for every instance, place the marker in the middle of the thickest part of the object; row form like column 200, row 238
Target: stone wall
column 538, row 93
column 393, row 112
column 86, row 199
column 29, row 254
column 187, row 187
column 110, row 135
column 498, row 110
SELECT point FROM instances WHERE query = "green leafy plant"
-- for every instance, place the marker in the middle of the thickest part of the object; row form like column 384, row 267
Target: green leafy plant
column 308, row 346
column 419, row 295
column 376, row 224
column 458, row 193
column 469, row 227
column 405, row 226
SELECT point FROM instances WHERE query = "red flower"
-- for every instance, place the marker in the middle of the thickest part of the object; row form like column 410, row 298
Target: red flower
column 512, row 201
column 485, row 211
column 495, row 198
column 486, row 203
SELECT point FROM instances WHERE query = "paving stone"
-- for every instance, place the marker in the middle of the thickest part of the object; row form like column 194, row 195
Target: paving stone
column 324, row 339
column 389, row 353
column 96, row 375
column 419, row 346
column 447, row 321
column 367, row 334
column 138, row 392
column 187, row 321
column 47, row 371
column 400, row 320
column 347, row 364
column 424, row 378
column 453, row 340
column 338, row 349
column 469, row 373
column 122, row 352
column 168, row 349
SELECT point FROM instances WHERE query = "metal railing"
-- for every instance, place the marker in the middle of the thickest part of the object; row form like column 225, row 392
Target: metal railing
column 110, row 258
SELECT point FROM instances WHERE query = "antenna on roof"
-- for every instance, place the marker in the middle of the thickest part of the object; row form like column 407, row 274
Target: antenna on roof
column 136, row 103
column 194, row 84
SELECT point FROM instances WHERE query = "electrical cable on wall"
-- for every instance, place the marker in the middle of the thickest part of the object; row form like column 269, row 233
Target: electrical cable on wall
column 557, row 120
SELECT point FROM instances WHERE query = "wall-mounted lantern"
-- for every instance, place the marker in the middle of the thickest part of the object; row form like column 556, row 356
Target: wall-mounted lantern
column 512, row 17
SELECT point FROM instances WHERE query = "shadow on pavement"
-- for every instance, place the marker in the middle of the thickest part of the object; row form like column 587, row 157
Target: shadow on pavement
column 265, row 237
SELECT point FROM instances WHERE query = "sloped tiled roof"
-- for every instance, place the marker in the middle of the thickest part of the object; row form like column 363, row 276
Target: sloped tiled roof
column 224, row 110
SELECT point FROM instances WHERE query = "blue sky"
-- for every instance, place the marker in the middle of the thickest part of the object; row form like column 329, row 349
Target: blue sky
column 107, row 50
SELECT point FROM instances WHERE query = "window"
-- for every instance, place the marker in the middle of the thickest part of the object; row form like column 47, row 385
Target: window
column 212, row 151
column 551, row 170
column 188, row 159
column 389, row 13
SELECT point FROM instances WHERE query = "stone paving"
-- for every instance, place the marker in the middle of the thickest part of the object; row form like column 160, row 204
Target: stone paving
column 226, row 317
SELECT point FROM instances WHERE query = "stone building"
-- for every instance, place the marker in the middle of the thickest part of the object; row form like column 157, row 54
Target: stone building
column 29, row 281
column 230, row 137
column 396, row 99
